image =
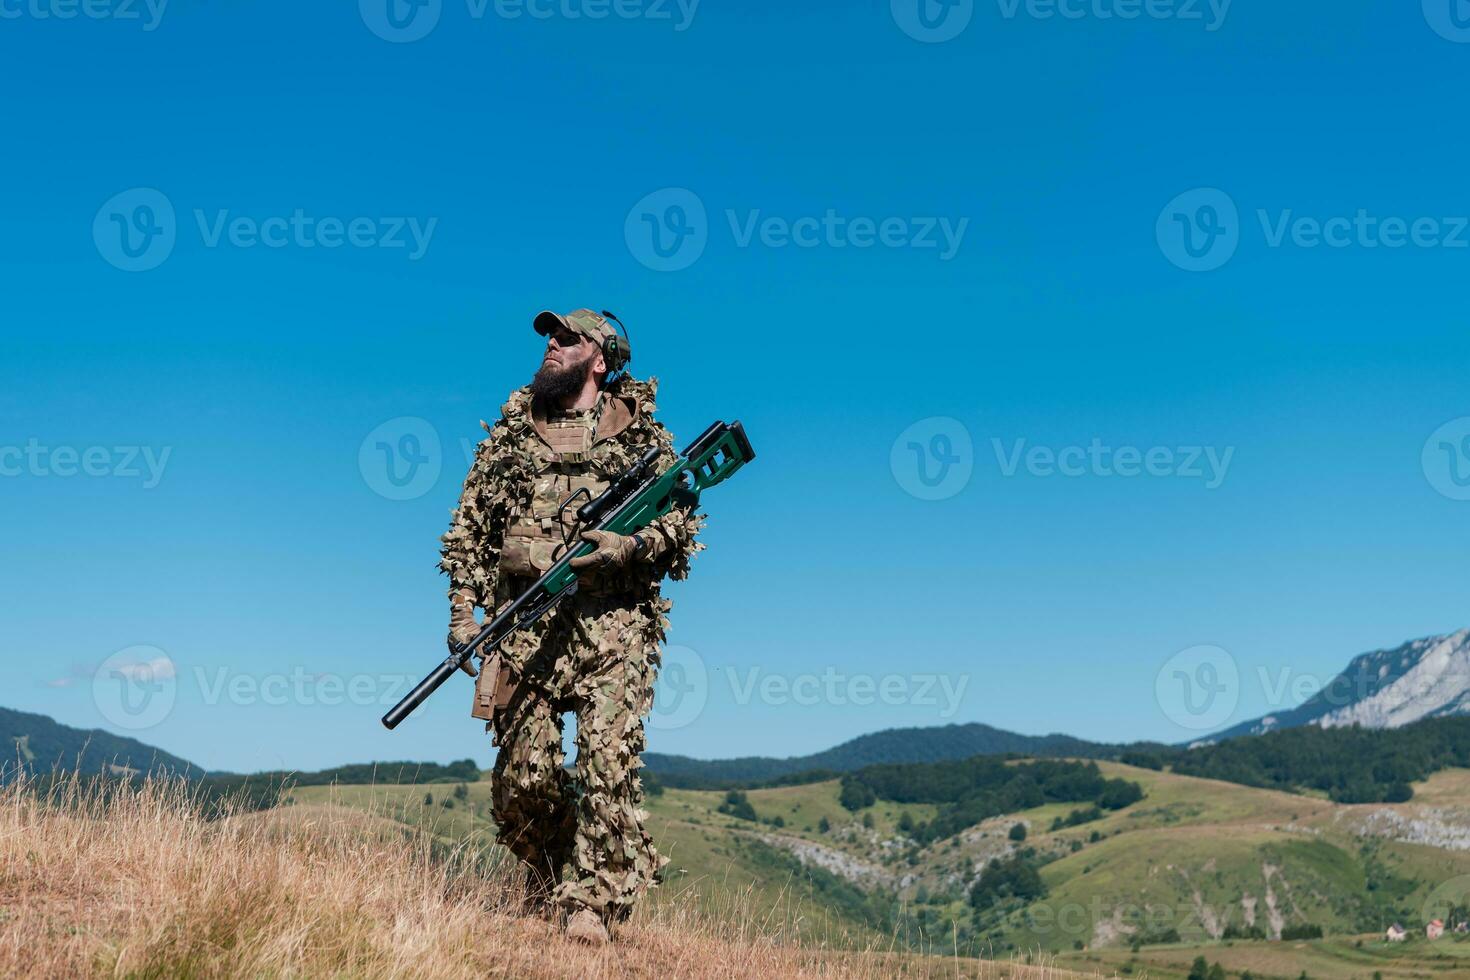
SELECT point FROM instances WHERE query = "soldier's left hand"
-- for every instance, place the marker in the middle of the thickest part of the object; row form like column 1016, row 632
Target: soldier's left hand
column 613, row 551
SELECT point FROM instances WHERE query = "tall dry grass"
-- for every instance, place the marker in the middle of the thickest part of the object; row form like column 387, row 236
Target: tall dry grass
column 140, row 882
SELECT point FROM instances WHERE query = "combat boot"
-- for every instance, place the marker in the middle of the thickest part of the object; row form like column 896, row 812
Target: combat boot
column 585, row 926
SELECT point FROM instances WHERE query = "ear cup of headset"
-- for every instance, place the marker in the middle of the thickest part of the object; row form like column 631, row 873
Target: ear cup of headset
column 614, row 350
column 614, row 353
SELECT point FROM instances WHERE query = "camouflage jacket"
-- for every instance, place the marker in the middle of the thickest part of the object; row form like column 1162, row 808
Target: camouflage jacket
column 505, row 525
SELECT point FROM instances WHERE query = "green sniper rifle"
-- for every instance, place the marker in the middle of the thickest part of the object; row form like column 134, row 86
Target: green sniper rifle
column 631, row 502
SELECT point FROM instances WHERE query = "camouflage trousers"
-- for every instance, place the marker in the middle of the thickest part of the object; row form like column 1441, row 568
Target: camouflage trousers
column 581, row 834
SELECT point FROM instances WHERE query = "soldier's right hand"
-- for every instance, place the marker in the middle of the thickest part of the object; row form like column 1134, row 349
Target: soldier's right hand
column 462, row 633
column 459, row 635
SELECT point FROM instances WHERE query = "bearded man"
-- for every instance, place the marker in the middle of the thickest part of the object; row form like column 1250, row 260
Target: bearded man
column 579, row 423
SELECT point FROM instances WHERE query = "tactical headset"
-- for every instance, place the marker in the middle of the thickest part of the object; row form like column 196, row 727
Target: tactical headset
column 617, row 352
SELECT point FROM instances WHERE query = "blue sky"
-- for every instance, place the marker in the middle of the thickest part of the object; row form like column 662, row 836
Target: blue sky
column 868, row 237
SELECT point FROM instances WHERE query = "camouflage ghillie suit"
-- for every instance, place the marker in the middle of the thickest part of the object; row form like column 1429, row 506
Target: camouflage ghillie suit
column 596, row 655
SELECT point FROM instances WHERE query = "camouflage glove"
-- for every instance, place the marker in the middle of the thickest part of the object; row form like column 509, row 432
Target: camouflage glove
column 462, row 625
column 614, row 551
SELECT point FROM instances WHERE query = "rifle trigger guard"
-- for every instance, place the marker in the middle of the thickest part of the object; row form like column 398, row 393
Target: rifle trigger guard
column 568, row 534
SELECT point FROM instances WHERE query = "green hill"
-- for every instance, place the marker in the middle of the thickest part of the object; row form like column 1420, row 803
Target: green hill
column 43, row 745
column 895, row 745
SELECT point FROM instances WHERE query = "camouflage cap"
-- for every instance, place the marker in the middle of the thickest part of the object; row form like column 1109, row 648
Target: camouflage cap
column 595, row 327
column 589, row 324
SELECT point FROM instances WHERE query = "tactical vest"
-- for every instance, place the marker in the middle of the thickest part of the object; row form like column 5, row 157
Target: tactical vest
column 533, row 541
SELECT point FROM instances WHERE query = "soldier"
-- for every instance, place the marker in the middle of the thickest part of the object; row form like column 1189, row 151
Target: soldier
column 580, row 422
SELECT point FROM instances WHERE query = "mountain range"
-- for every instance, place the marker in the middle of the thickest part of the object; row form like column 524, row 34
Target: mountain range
column 1424, row 678
column 894, row 745
column 1418, row 680
column 37, row 742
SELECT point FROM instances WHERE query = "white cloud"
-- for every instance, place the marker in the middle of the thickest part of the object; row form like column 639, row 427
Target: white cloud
column 157, row 669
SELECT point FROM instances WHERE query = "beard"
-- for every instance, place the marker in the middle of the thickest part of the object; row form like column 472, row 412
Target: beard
column 553, row 384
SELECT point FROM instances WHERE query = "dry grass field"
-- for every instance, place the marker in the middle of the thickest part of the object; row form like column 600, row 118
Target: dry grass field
column 142, row 884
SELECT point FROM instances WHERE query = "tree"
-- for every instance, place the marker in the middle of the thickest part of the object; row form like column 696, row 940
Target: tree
column 1011, row 878
column 428, row 799
column 1199, row 969
column 461, row 792
column 1018, row 832
column 824, row 825
column 737, row 805
column 856, row 794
